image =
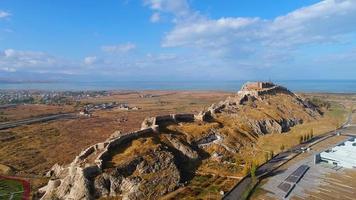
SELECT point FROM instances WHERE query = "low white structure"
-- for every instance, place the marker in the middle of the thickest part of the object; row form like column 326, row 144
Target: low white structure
column 343, row 155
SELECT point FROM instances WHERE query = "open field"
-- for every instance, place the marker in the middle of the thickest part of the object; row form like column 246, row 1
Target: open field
column 202, row 187
column 10, row 188
column 14, row 189
column 33, row 149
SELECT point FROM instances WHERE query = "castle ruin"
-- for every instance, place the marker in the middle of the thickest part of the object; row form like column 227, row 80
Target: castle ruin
column 257, row 86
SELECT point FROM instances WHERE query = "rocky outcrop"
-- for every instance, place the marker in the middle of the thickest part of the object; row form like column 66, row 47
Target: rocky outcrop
column 75, row 180
column 215, row 138
column 4, row 169
column 262, row 127
column 74, row 185
column 87, row 177
column 183, row 148
column 232, row 104
column 146, row 177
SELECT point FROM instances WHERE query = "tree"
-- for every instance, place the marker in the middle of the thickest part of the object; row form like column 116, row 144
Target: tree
column 253, row 171
column 301, row 139
column 266, row 156
column 247, row 168
column 271, row 153
column 282, row 147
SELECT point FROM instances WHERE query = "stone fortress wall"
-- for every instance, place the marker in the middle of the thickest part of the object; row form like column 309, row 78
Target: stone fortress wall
column 91, row 161
column 257, row 85
column 262, row 88
column 103, row 149
column 152, row 125
column 250, row 89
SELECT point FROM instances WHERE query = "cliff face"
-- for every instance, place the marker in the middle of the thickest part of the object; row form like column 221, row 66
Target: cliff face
column 161, row 157
column 271, row 110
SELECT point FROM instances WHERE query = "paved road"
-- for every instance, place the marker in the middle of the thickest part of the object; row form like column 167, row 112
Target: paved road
column 13, row 124
column 242, row 186
column 7, row 106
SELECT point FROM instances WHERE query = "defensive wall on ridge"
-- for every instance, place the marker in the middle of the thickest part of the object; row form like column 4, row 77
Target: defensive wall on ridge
column 92, row 159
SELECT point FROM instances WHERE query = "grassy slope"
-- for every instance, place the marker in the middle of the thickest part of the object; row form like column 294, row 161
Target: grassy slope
column 334, row 117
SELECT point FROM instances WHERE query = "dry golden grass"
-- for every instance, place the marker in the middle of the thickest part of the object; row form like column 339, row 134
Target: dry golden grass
column 37, row 147
column 256, row 149
column 202, row 187
column 136, row 148
column 332, row 119
column 194, row 130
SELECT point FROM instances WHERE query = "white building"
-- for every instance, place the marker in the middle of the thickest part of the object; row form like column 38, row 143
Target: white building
column 343, row 155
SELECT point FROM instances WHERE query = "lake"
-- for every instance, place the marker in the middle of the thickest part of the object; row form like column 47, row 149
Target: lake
column 333, row 86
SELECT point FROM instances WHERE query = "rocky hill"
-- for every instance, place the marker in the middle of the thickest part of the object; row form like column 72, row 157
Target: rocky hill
column 170, row 150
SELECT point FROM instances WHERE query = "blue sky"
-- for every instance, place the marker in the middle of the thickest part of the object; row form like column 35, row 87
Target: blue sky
column 177, row 39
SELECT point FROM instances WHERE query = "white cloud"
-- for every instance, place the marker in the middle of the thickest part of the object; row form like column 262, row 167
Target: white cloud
column 4, row 14
column 210, row 32
column 155, row 17
column 8, row 69
column 330, row 21
column 90, row 60
column 214, row 47
column 324, row 22
column 346, row 56
column 34, row 61
column 177, row 7
column 120, row 48
column 25, row 58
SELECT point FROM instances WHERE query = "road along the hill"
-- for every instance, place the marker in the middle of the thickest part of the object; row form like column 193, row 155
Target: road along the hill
column 47, row 118
column 239, row 191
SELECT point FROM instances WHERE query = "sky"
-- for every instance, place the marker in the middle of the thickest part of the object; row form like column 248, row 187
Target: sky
column 177, row 40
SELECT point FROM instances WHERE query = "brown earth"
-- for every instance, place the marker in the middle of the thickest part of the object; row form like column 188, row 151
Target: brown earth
column 38, row 147
column 35, row 148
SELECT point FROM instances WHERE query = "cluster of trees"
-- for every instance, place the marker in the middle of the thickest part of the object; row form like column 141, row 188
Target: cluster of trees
column 320, row 103
column 306, row 137
column 27, row 100
column 251, row 168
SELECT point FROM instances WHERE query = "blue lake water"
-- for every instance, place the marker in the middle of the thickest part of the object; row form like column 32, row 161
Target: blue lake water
column 333, row 86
